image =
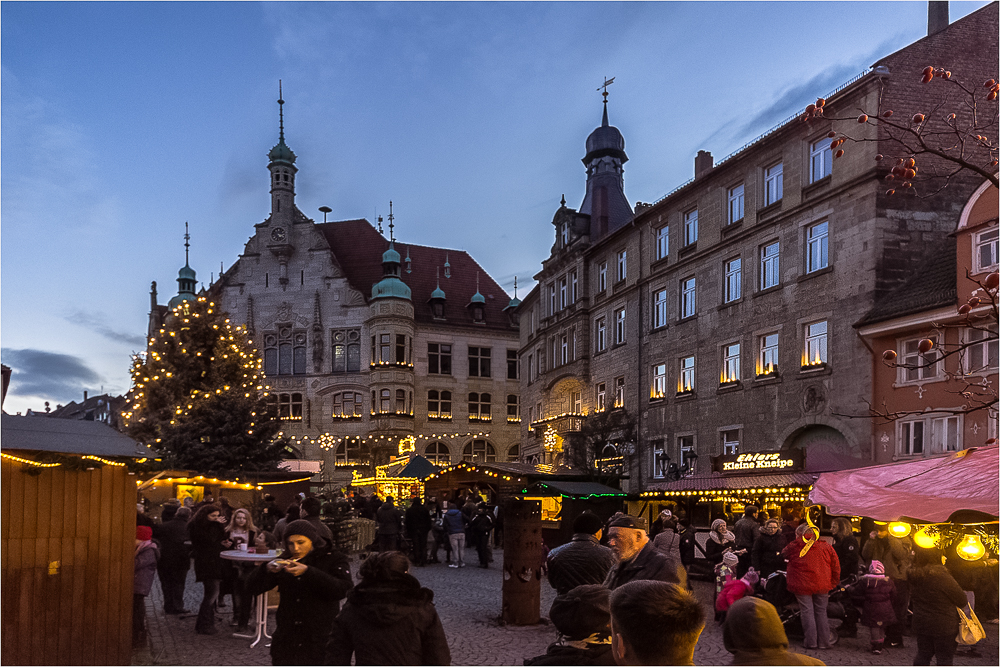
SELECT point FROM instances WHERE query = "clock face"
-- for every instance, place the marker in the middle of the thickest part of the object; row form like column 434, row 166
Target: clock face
column 278, row 234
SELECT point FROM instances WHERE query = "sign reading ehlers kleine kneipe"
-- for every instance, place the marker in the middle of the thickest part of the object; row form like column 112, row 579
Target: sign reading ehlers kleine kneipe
column 789, row 460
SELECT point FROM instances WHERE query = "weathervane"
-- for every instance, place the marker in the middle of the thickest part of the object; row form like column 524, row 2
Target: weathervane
column 515, row 287
column 391, row 237
column 607, row 82
column 281, row 114
column 187, row 237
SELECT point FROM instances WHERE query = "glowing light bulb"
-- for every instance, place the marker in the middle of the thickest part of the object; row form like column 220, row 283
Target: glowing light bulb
column 899, row 528
column 924, row 539
column 971, row 548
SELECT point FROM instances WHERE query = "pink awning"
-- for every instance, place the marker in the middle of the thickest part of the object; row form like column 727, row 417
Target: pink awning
column 927, row 489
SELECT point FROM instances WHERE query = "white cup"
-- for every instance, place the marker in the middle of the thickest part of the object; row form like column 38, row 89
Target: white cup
column 243, row 546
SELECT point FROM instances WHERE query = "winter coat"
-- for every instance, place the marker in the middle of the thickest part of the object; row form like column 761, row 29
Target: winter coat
column 389, row 622
column 174, row 553
column 878, row 592
column 562, row 654
column 418, row 520
column 687, row 545
column 746, row 531
column 714, row 550
column 389, row 518
column 732, row 591
column 581, row 561
column 893, row 552
column 481, row 524
column 935, row 597
column 849, row 554
column 669, row 544
column 206, row 545
column 307, row 607
column 753, row 633
column 815, row 573
column 766, row 553
column 145, row 567
column 454, row 521
column 648, row 564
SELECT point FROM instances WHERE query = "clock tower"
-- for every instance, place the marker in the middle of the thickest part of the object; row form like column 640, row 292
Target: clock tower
column 282, row 167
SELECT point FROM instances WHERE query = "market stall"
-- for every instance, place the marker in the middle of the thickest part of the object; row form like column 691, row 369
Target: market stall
column 562, row 502
column 494, row 481
column 401, row 478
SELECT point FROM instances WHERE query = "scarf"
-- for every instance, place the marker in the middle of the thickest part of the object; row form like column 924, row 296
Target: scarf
column 721, row 539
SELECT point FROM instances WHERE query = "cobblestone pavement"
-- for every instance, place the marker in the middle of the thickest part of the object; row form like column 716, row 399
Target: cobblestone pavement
column 468, row 601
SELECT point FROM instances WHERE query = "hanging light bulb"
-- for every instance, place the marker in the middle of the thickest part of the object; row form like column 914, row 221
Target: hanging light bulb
column 899, row 529
column 971, row 548
column 925, row 539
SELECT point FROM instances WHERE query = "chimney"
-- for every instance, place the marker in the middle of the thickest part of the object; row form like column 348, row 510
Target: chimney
column 702, row 162
column 937, row 16
column 85, row 394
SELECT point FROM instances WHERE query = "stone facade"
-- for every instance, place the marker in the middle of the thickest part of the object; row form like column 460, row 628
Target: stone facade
column 365, row 347
column 728, row 326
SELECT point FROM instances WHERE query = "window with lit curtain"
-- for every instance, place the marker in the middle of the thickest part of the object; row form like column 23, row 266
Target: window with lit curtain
column 600, row 397
column 731, row 363
column 659, row 389
column 767, row 359
column 816, row 337
column 685, row 381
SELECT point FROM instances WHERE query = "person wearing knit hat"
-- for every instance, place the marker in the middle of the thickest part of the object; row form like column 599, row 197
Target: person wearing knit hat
column 312, row 579
column 146, row 556
column 734, row 590
column 583, row 618
column 877, row 611
column 725, row 573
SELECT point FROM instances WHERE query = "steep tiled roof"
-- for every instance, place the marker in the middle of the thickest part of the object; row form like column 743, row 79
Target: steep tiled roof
column 932, row 285
column 358, row 248
column 718, row 482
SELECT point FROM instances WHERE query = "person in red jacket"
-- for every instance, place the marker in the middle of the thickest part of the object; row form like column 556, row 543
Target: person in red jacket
column 813, row 571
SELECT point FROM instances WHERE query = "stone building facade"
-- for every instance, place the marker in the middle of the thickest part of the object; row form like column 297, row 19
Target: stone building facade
column 372, row 348
column 720, row 317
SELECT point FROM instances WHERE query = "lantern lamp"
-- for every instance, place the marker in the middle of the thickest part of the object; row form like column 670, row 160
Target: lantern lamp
column 899, row 529
column 925, row 539
column 971, row 548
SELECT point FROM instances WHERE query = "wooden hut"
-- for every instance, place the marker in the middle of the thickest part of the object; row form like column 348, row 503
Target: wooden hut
column 68, row 542
column 563, row 501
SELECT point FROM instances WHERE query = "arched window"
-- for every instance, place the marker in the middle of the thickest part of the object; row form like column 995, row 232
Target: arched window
column 349, row 453
column 479, row 451
column 514, row 454
column 285, row 352
column 438, row 453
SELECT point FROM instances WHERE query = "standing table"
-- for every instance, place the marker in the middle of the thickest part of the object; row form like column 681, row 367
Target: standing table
column 260, row 604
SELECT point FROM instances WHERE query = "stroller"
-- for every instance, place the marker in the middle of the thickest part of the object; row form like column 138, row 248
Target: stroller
column 775, row 591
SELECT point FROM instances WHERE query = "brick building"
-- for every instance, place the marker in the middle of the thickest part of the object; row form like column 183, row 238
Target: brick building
column 720, row 317
column 371, row 347
column 936, row 401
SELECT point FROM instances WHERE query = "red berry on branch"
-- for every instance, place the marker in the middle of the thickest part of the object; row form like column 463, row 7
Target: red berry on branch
column 839, row 153
column 992, row 96
column 918, row 118
column 928, row 70
column 989, row 84
column 925, row 345
column 820, row 102
column 964, row 309
column 899, row 162
column 951, row 117
column 909, row 163
column 831, row 134
column 992, row 280
column 975, row 301
column 887, row 114
column 889, row 193
column 910, row 173
column 863, row 118
column 947, row 74
column 889, row 355
column 907, row 184
column 878, row 158
column 889, row 177
column 811, row 108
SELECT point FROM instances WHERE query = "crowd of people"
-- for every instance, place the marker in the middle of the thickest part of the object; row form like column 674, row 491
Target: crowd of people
column 623, row 594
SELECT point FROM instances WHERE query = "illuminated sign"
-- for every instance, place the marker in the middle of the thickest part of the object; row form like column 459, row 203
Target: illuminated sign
column 784, row 461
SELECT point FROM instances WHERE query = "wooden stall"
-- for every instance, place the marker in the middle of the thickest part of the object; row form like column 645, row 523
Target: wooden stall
column 68, row 541
column 563, row 501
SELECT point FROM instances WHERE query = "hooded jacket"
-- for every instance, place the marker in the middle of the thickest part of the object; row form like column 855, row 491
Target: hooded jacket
column 815, row 573
column 454, row 521
column 754, row 635
column 146, row 557
column 389, row 518
column 307, row 606
column 389, row 622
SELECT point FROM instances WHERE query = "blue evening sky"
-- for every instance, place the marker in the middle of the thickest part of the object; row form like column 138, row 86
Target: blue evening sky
column 121, row 121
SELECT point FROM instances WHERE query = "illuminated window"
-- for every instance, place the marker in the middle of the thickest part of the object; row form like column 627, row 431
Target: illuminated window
column 479, row 406
column 685, row 381
column 731, row 363
column 620, row 392
column 437, row 453
column 767, row 356
column 438, row 404
column 815, row 352
column 347, row 404
column 600, row 397
column 290, row 407
column 659, row 389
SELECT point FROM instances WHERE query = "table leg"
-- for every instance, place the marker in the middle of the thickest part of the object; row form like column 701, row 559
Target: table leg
column 261, row 619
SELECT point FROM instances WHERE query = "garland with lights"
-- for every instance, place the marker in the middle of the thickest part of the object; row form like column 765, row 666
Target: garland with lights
column 197, row 395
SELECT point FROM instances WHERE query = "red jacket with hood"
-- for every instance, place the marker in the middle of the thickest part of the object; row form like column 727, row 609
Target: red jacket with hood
column 815, row 573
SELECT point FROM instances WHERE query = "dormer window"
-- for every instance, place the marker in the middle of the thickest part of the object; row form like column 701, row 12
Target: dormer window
column 565, row 234
column 438, row 309
column 477, row 313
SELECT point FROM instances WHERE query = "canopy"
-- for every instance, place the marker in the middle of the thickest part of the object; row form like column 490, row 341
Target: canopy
column 930, row 489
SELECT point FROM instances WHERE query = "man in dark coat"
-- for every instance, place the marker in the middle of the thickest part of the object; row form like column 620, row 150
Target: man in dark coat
column 389, row 519
column 583, row 618
column 310, row 511
column 418, row 524
column 388, row 619
column 480, row 528
column 175, row 559
column 637, row 557
column 311, row 582
column 746, row 531
column 584, row 560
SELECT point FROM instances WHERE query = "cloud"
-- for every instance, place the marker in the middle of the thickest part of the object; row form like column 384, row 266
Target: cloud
column 98, row 324
column 49, row 375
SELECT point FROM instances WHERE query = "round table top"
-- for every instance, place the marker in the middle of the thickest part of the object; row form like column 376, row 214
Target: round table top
column 238, row 554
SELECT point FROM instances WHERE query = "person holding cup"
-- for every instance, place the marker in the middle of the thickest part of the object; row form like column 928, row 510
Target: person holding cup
column 312, row 579
column 241, row 532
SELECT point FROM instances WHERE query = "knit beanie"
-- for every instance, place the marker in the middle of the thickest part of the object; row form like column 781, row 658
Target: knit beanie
column 304, row 528
column 144, row 533
column 751, row 577
column 582, row 611
column 730, row 559
column 717, row 523
column 876, row 567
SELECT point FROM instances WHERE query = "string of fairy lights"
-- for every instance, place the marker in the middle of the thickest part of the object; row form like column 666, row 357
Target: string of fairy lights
column 327, row 441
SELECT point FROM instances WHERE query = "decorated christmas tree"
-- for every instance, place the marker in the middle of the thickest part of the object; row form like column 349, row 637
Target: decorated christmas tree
column 197, row 396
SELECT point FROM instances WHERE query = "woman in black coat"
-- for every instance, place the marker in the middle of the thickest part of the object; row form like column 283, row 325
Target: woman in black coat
column 847, row 547
column 720, row 540
column 312, row 580
column 765, row 556
column 208, row 540
column 388, row 619
column 935, row 597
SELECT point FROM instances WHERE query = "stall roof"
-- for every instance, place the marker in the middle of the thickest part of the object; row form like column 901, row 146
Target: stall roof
column 718, row 482
column 931, row 489
column 576, row 489
column 67, row 436
column 517, row 469
column 417, row 467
